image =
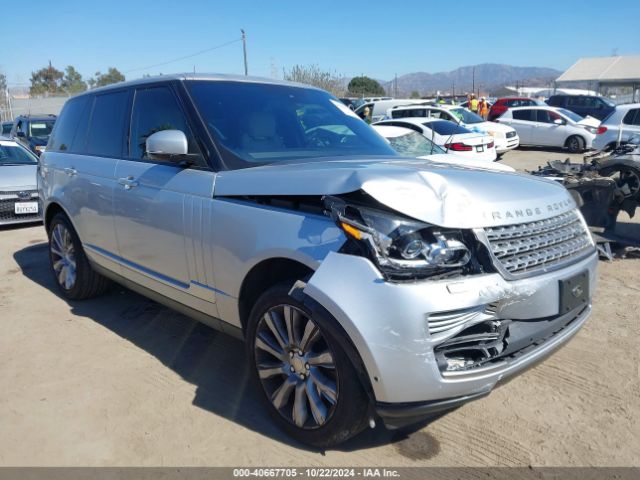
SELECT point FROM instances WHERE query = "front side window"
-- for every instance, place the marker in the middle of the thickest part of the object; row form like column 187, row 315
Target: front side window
column 106, row 132
column 156, row 109
column 257, row 124
column 546, row 116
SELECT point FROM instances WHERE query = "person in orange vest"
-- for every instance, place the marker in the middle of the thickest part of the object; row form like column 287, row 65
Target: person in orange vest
column 483, row 108
column 473, row 104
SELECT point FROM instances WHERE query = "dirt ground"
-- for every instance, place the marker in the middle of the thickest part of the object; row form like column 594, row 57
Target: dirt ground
column 120, row 381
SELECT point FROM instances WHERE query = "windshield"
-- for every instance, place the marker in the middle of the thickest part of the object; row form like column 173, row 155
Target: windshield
column 414, row 144
column 573, row 116
column 41, row 129
column 256, row 124
column 11, row 154
column 466, row 116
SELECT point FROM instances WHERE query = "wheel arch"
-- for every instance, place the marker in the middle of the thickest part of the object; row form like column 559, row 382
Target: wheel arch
column 52, row 209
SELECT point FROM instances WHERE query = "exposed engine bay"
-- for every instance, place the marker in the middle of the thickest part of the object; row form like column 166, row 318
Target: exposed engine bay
column 605, row 183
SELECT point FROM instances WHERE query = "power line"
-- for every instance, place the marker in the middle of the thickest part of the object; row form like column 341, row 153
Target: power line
column 185, row 57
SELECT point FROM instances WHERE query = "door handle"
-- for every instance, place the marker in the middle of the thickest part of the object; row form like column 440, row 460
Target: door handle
column 128, row 182
column 70, row 171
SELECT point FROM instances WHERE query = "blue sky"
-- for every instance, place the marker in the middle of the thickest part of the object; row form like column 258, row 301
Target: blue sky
column 375, row 38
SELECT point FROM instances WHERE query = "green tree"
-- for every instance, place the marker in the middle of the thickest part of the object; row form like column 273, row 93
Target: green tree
column 45, row 81
column 314, row 75
column 362, row 86
column 113, row 75
column 72, row 81
column 415, row 94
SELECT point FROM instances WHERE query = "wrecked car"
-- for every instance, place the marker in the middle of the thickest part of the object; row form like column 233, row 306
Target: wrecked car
column 604, row 184
column 367, row 286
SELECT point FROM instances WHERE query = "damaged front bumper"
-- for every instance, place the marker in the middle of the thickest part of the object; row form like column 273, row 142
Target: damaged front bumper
column 432, row 345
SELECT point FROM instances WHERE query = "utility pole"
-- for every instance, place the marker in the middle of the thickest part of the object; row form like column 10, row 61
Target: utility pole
column 473, row 80
column 244, row 50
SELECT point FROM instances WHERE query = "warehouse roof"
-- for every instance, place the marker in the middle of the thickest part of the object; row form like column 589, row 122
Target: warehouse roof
column 604, row 70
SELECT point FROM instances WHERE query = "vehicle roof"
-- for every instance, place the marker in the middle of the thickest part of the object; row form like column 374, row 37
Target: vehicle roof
column 48, row 116
column 4, row 138
column 214, row 77
column 514, row 98
column 537, row 107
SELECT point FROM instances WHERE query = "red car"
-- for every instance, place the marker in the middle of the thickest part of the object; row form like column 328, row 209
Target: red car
column 503, row 104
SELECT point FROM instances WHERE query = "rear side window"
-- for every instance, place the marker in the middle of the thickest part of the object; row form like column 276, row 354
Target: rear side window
column 106, row 132
column 545, row 116
column 67, row 124
column 526, row 115
column 632, row 117
column 156, row 109
column 444, row 127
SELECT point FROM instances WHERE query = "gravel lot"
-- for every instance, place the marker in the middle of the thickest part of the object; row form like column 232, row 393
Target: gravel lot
column 122, row 381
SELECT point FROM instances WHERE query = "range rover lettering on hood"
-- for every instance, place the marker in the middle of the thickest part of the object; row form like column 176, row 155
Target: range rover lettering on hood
column 445, row 195
column 546, row 210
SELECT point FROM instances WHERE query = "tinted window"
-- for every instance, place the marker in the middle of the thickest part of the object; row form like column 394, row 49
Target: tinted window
column 546, row 116
column 67, row 124
column 106, row 132
column 555, row 100
column 412, row 112
column 444, row 127
column 632, row 117
column 156, row 109
column 6, row 128
column 527, row 115
column 259, row 123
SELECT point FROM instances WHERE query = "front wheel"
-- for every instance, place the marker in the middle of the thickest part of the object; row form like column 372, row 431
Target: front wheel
column 309, row 384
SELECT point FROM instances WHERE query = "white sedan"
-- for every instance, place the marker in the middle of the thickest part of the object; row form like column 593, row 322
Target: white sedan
column 451, row 137
column 506, row 138
column 410, row 143
column 551, row 127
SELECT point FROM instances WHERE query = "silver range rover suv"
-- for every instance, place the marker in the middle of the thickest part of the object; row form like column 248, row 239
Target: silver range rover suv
column 367, row 286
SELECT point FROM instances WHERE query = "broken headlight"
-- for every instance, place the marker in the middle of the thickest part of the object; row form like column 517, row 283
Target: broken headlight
column 402, row 248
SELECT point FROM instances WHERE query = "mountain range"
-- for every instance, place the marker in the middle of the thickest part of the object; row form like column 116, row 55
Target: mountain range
column 488, row 76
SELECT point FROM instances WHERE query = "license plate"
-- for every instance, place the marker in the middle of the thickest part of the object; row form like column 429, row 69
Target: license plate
column 480, row 149
column 26, row 207
column 574, row 292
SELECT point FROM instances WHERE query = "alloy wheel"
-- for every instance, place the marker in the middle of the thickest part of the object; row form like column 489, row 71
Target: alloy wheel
column 296, row 366
column 63, row 258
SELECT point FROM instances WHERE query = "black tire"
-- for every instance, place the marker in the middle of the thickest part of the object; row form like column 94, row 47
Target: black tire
column 348, row 416
column 575, row 144
column 88, row 283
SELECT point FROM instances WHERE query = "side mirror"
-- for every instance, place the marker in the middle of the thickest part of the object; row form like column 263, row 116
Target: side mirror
column 20, row 134
column 166, row 144
column 558, row 121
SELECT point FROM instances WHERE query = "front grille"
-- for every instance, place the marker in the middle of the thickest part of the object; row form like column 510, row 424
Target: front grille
column 7, row 210
column 511, row 134
column 527, row 247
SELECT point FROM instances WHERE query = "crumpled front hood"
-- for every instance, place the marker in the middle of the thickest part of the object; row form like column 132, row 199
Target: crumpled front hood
column 18, row 177
column 444, row 195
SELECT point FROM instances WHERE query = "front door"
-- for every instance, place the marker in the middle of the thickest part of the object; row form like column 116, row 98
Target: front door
column 160, row 207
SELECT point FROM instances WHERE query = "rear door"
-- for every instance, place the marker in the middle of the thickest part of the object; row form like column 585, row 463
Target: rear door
column 82, row 157
column 631, row 123
column 162, row 208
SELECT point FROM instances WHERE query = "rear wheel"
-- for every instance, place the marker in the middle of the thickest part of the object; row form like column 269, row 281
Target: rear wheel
column 575, row 144
column 309, row 385
column 70, row 267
